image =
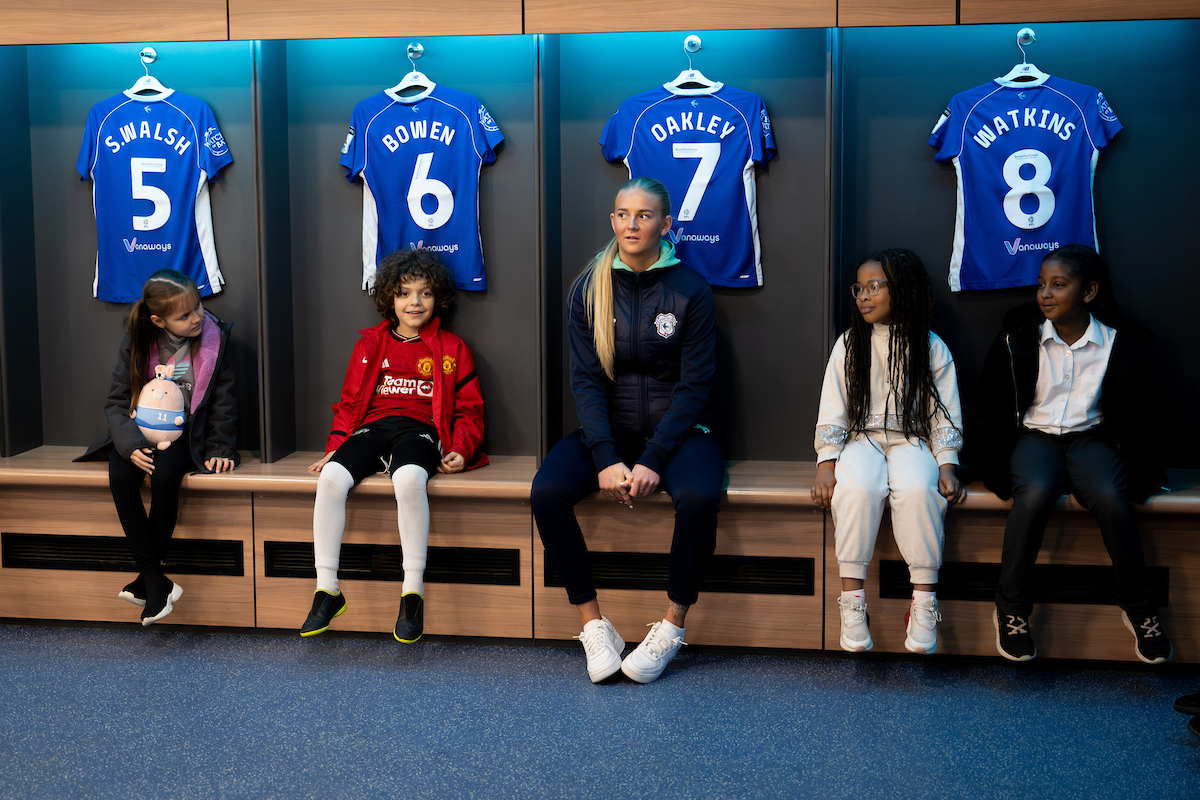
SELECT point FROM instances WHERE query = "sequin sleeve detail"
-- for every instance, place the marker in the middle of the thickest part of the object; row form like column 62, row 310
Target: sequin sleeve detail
column 830, row 436
column 946, row 439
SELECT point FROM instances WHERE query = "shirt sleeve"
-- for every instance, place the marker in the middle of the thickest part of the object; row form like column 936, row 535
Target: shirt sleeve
column 490, row 133
column 614, row 141
column 87, row 149
column 941, row 138
column 354, row 150
column 1103, row 121
column 832, row 417
column 763, row 138
column 945, row 427
column 214, row 152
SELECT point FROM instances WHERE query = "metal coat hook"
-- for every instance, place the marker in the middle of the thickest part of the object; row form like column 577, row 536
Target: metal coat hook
column 691, row 45
column 148, row 55
column 415, row 51
column 1025, row 38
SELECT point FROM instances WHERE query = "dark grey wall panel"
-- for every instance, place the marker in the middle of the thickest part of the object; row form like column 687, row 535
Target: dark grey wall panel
column 276, row 348
column 896, row 82
column 79, row 335
column 20, row 383
column 772, row 339
column 325, row 80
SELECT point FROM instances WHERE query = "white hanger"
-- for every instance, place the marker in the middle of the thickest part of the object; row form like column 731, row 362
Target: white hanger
column 415, row 85
column 147, row 86
column 1023, row 73
column 691, row 79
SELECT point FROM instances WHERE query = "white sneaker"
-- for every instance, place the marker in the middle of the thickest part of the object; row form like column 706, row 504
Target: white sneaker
column 651, row 657
column 856, row 636
column 603, row 646
column 172, row 598
column 920, row 623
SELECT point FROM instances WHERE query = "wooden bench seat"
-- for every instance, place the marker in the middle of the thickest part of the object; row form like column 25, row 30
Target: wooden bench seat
column 766, row 586
column 478, row 580
column 774, row 583
column 1083, row 622
column 63, row 554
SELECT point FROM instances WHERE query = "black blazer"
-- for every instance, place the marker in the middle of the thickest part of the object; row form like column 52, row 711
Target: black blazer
column 1130, row 395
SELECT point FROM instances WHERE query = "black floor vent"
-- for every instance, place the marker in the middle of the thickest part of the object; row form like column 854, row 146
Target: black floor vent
column 740, row 574
column 111, row 554
column 379, row 562
column 1050, row 583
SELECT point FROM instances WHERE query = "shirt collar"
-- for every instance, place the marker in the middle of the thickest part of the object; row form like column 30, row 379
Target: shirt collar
column 666, row 258
column 1091, row 335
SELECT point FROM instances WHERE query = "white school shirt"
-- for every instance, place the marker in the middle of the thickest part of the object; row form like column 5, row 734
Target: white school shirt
column 833, row 422
column 1066, row 398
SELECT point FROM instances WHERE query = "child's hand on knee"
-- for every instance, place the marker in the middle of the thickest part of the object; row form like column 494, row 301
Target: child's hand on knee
column 949, row 486
column 822, row 488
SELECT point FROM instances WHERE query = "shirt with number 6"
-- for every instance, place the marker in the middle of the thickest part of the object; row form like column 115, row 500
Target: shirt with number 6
column 1025, row 156
column 150, row 160
column 419, row 158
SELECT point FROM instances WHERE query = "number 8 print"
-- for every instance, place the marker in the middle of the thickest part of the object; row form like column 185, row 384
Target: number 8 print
column 1021, row 187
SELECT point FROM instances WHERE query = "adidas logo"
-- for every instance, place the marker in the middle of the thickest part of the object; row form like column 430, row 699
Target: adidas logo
column 386, row 365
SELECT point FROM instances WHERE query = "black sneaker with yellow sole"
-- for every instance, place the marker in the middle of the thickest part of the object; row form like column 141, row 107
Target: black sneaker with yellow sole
column 411, row 622
column 325, row 607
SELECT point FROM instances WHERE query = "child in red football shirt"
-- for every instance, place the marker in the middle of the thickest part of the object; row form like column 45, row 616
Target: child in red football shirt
column 410, row 405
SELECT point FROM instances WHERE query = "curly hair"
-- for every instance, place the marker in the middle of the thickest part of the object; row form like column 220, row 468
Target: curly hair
column 914, row 394
column 407, row 266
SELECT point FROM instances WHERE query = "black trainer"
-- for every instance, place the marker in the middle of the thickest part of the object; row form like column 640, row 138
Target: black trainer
column 1188, row 704
column 1151, row 644
column 154, row 611
column 1194, row 725
column 136, row 593
column 325, row 607
column 1013, row 640
column 411, row 622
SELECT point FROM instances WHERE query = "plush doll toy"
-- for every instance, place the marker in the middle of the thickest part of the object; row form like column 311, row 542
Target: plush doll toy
column 159, row 411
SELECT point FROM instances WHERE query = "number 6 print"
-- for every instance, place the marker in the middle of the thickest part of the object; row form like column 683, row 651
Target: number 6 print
column 423, row 185
column 1021, row 187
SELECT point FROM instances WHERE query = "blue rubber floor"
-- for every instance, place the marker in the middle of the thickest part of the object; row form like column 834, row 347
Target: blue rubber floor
column 131, row 713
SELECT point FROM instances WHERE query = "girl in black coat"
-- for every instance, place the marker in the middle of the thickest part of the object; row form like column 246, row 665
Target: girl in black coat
column 1063, row 404
column 167, row 326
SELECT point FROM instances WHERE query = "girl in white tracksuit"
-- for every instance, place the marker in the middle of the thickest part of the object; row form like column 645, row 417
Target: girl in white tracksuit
column 889, row 429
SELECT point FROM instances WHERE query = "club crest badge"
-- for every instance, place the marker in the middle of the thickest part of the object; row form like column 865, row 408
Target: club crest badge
column 665, row 324
column 425, row 367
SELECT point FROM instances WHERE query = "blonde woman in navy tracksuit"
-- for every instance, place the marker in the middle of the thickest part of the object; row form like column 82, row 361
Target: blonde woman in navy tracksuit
column 643, row 354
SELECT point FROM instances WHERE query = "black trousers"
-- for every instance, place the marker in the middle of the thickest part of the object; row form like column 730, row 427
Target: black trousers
column 1088, row 465
column 692, row 477
column 149, row 534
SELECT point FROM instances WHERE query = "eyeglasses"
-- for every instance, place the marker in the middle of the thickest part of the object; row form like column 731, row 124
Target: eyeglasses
column 872, row 288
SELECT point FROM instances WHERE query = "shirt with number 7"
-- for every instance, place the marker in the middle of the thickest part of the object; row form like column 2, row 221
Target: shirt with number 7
column 420, row 158
column 150, row 160
column 1025, row 155
column 703, row 145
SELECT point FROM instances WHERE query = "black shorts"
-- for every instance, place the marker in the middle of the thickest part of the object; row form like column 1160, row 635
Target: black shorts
column 388, row 444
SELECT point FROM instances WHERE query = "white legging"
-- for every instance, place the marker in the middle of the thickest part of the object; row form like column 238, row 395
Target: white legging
column 329, row 523
column 883, row 466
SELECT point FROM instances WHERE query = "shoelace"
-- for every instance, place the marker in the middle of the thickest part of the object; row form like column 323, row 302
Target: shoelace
column 926, row 615
column 593, row 640
column 854, row 612
column 1150, row 628
column 1016, row 625
column 657, row 642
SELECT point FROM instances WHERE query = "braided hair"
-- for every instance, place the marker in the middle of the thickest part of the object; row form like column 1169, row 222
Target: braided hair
column 914, row 395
